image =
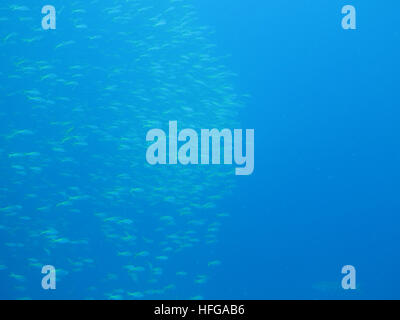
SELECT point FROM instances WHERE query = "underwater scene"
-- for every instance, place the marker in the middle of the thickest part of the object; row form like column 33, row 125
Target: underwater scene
column 199, row 150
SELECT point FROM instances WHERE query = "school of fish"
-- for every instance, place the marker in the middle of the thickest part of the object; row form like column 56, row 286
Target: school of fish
column 75, row 189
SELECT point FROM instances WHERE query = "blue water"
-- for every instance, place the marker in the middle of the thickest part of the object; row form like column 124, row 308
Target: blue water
column 324, row 193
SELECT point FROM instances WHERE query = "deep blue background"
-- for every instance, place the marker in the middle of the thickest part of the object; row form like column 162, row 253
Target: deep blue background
column 324, row 103
column 325, row 107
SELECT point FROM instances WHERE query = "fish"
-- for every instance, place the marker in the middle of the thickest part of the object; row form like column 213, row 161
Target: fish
column 77, row 192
